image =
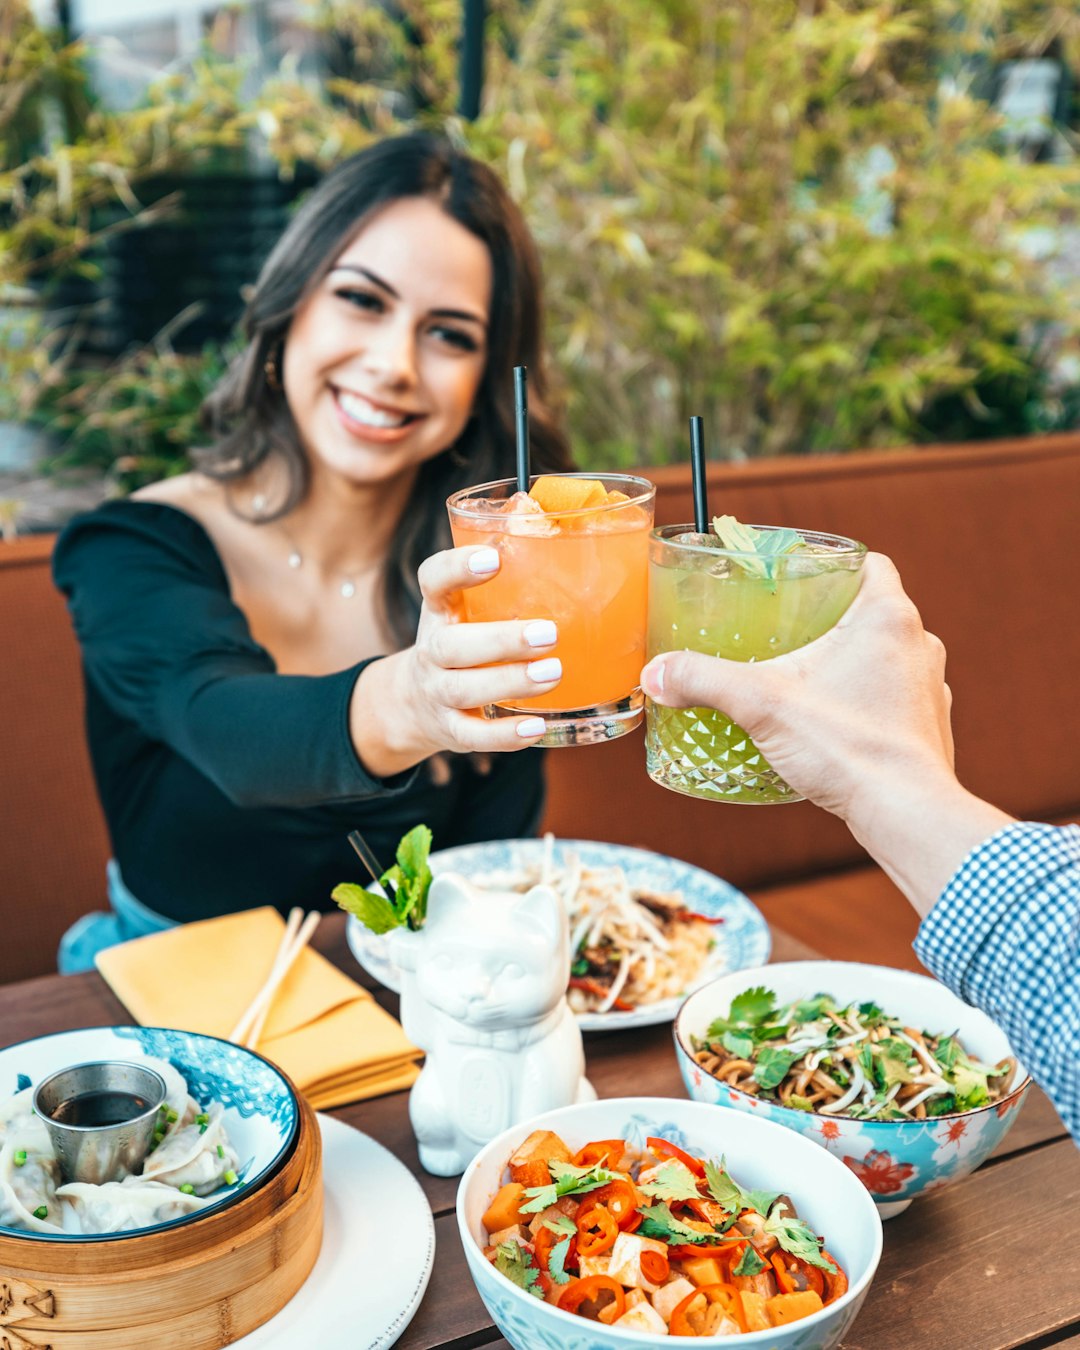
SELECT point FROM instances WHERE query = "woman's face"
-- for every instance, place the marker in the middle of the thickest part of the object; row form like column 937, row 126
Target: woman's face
column 383, row 361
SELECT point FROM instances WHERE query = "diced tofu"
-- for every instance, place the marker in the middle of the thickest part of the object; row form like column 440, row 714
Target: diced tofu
column 670, row 1295
column 515, row 1233
column 595, row 1265
column 634, row 1297
column 643, row 1317
column 626, row 1260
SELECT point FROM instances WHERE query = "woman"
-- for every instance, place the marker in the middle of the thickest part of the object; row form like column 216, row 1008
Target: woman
column 232, row 619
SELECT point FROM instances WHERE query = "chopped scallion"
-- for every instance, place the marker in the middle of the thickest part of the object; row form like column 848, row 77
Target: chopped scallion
column 20, row 1158
column 230, row 1178
column 41, row 1212
column 187, row 1188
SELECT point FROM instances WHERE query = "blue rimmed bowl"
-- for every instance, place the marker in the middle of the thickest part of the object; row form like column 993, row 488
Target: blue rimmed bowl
column 896, row 1160
column 261, row 1113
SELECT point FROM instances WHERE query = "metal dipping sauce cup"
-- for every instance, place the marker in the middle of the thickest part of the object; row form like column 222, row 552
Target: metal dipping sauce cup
column 704, row 597
column 585, row 569
column 107, row 1152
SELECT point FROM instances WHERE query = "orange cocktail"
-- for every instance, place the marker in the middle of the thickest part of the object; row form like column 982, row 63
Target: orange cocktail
column 574, row 550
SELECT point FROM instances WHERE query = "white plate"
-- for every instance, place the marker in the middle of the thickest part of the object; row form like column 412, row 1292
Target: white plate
column 261, row 1113
column 742, row 939
column 355, row 1298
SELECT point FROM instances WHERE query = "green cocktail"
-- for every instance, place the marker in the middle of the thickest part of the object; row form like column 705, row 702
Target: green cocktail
column 776, row 591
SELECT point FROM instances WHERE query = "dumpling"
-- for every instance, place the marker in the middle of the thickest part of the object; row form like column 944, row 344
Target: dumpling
column 17, row 1120
column 117, row 1206
column 178, row 1101
column 199, row 1155
column 28, row 1180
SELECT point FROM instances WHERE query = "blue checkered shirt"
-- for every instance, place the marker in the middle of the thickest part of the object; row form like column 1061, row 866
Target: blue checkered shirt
column 1005, row 936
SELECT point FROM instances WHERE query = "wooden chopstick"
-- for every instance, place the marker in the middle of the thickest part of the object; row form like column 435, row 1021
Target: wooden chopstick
column 301, row 940
column 292, row 927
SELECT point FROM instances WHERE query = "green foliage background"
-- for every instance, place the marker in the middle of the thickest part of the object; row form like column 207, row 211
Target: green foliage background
column 692, row 170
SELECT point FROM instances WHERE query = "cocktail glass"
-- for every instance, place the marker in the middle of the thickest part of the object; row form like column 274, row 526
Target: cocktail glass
column 704, row 597
column 587, row 570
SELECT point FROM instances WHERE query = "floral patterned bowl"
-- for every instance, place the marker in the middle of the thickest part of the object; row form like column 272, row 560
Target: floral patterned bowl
column 759, row 1154
column 895, row 1160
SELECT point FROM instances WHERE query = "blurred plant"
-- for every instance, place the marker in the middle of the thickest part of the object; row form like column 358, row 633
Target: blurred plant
column 794, row 218
column 136, row 420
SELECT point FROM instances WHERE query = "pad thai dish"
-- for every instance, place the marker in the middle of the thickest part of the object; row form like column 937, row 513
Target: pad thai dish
column 628, row 946
column 657, row 1241
column 856, row 1061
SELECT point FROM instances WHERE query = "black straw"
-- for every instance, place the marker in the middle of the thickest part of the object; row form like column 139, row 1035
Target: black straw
column 521, row 421
column 697, row 472
column 368, row 858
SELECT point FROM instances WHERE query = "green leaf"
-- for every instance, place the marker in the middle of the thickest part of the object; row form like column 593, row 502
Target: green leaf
column 569, row 1180
column 562, row 1224
column 740, row 1046
column 796, row 1237
column 671, row 1181
column 556, row 1261
column 513, row 1262
column 749, row 1263
column 723, row 1188
column 871, row 1015
column 659, row 1222
column 373, row 911
column 411, row 876
column 756, row 549
column 812, row 1009
column 762, row 1201
column 753, row 1005
column 771, row 1065
column 797, row 1103
column 948, row 1052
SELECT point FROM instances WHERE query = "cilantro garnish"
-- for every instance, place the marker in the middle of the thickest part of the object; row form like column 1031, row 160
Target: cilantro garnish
column 557, row 1260
column 798, row 1238
column 771, row 1065
column 730, row 1196
column 749, row 1263
column 562, row 1224
column 671, row 1181
column 407, row 882
column 657, row 1221
column 513, row 1262
column 569, row 1180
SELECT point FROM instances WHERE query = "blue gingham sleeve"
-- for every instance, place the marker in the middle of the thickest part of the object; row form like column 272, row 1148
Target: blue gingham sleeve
column 1005, row 936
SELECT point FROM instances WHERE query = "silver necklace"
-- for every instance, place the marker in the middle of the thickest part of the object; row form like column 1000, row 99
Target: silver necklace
column 348, row 584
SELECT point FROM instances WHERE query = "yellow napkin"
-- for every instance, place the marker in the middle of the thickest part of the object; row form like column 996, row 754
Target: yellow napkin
column 323, row 1029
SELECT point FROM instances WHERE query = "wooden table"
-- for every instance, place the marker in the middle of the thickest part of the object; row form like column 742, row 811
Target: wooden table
column 992, row 1262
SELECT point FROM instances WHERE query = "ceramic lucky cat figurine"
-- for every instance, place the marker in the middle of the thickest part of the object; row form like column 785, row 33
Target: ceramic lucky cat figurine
column 484, row 994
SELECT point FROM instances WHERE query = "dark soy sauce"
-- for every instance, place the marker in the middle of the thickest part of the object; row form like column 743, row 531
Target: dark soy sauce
column 98, row 1109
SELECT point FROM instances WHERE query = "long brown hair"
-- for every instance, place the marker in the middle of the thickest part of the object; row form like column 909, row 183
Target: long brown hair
column 247, row 412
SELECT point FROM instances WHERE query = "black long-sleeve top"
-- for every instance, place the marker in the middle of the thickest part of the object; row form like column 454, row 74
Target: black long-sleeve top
column 226, row 785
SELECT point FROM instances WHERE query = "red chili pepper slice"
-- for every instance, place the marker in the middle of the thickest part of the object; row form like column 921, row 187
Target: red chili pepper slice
column 582, row 1291
column 597, row 1230
column 654, row 1266
column 835, row 1284
column 663, row 1148
column 607, row 1151
column 712, row 1293
column 620, row 1197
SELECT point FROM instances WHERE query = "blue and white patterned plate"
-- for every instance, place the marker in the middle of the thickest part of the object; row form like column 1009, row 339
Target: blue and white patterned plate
column 261, row 1112
column 742, row 939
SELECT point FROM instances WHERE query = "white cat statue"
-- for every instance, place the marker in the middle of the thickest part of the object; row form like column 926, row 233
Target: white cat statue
column 484, row 995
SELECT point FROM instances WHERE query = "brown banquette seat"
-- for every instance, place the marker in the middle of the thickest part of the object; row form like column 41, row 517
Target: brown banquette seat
column 985, row 539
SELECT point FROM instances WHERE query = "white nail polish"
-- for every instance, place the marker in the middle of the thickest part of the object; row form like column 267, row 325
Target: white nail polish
column 540, row 633
column 550, row 668
column 484, row 561
column 531, row 726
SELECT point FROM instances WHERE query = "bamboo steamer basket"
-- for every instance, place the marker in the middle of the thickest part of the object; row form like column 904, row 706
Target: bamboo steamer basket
column 201, row 1285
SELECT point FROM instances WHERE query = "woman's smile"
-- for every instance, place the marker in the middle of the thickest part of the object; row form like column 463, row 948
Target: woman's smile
column 384, row 360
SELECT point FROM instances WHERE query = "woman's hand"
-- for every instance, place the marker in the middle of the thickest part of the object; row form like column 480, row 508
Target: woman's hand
column 417, row 702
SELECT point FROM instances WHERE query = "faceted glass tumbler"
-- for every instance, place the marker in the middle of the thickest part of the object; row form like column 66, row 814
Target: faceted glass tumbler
column 744, row 607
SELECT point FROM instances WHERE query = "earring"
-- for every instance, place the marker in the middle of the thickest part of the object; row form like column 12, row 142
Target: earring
column 270, row 370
